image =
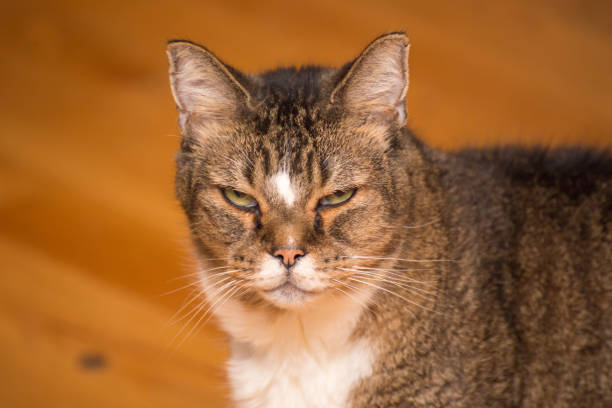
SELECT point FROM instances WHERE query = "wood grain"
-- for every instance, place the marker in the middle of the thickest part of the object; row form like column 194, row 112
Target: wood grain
column 90, row 234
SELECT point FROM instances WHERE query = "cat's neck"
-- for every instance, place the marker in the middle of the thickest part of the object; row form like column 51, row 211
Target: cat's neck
column 325, row 325
column 304, row 358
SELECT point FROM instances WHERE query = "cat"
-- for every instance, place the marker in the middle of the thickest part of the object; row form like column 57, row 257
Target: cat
column 351, row 265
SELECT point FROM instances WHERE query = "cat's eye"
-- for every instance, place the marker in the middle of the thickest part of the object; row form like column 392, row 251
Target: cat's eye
column 337, row 198
column 239, row 199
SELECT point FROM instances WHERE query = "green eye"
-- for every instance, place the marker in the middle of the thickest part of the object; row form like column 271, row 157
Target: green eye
column 337, row 198
column 239, row 199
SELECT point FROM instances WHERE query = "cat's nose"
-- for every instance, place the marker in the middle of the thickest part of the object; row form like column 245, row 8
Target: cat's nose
column 288, row 255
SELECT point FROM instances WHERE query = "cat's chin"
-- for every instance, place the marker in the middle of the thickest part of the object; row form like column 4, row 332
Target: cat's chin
column 289, row 296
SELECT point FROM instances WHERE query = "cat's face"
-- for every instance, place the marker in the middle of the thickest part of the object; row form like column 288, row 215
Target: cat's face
column 286, row 190
column 288, row 223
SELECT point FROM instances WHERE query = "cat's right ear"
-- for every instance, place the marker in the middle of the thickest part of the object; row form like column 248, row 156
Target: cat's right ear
column 376, row 82
column 203, row 87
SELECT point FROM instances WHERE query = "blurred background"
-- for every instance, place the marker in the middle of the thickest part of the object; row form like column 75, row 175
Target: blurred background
column 91, row 237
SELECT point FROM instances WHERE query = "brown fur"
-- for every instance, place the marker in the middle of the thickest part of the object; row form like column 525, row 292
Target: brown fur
column 508, row 251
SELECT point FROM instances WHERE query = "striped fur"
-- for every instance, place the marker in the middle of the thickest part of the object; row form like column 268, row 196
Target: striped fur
column 480, row 278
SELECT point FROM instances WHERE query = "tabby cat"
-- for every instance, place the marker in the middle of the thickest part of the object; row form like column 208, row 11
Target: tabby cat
column 354, row 266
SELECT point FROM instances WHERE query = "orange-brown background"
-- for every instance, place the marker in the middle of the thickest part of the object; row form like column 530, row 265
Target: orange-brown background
column 90, row 234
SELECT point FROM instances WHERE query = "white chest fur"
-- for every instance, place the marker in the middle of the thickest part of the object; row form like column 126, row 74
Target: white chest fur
column 296, row 359
column 298, row 379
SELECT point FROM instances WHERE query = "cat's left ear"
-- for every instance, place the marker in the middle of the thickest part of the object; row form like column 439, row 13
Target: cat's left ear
column 204, row 88
column 377, row 81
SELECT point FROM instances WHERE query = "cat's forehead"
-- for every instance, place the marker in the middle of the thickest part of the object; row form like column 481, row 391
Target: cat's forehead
column 289, row 173
column 287, row 170
column 292, row 142
column 297, row 151
column 282, row 187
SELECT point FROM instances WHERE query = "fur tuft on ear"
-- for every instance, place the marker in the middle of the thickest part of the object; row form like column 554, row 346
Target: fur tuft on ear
column 203, row 87
column 377, row 81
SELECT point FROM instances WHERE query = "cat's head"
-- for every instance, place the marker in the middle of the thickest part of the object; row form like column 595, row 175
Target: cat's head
column 290, row 177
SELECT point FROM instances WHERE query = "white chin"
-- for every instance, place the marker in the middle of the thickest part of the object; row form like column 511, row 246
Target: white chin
column 288, row 296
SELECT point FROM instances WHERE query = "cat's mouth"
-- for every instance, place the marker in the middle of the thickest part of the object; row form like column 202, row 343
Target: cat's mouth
column 288, row 295
column 286, row 286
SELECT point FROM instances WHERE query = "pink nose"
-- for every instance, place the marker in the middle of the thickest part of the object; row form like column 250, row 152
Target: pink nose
column 288, row 255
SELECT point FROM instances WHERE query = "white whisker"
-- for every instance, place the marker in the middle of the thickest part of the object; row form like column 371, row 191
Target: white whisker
column 228, row 294
column 200, row 306
column 386, row 278
column 421, row 225
column 179, row 289
column 426, row 296
column 213, row 283
column 195, row 294
column 359, row 302
column 391, row 273
column 393, row 269
column 391, row 292
column 215, row 259
column 198, row 273
column 398, row 259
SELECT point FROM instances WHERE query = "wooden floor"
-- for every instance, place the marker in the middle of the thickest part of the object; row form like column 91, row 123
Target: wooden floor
column 90, row 234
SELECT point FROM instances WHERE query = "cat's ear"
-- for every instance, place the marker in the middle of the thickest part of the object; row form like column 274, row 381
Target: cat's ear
column 204, row 88
column 377, row 81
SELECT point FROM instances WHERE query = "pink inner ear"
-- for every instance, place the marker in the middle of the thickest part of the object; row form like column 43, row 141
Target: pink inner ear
column 200, row 90
column 201, row 84
column 378, row 80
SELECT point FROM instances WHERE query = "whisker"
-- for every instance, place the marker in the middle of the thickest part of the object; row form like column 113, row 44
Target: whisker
column 213, row 283
column 426, row 296
column 392, row 293
column 351, row 297
column 359, row 302
column 398, row 259
column 210, row 286
column 173, row 319
column 414, row 226
column 211, row 275
column 348, row 285
column 387, row 272
column 394, row 269
column 198, row 273
column 215, row 275
column 179, row 289
column 197, row 311
column 193, row 313
column 216, row 259
column 421, row 225
column 195, row 294
column 391, row 279
column 213, row 308
column 225, row 296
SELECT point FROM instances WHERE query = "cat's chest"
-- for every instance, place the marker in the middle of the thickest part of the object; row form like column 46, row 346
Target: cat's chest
column 304, row 378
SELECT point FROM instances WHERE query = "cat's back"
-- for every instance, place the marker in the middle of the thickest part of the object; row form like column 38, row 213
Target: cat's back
column 535, row 226
column 566, row 191
column 575, row 172
column 548, row 206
